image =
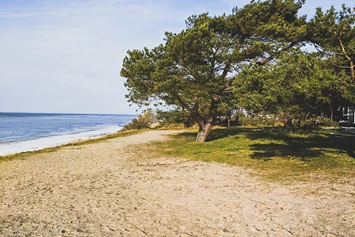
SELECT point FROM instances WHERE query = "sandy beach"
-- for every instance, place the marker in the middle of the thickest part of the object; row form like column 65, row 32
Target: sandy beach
column 114, row 188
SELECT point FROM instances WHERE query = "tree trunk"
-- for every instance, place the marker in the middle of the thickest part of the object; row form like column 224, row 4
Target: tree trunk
column 331, row 113
column 352, row 70
column 204, row 131
column 205, row 124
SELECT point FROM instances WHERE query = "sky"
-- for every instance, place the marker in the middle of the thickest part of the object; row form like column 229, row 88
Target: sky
column 65, row 56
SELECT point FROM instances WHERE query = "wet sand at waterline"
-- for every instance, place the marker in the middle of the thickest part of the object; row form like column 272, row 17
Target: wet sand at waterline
column 114, row 188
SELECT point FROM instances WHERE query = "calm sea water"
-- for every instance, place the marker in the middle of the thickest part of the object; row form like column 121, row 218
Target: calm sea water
column 32, row 131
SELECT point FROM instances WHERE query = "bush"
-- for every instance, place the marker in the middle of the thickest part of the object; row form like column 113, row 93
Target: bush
column 143, row 121
column 313, row 124
column 259, row 121
column 175, row 118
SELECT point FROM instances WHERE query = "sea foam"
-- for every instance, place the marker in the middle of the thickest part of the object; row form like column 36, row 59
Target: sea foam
column 53, row 141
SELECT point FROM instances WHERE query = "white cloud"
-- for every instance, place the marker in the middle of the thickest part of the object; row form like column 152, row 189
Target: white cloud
column 71, row 55
column 65, row 56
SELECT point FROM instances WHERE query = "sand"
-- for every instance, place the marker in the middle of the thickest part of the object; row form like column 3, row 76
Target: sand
column 112, row 188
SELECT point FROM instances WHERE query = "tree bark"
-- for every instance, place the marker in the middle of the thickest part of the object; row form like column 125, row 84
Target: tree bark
column 352, row 69
column 205, row 125
column 331, row 113
column 203, row 132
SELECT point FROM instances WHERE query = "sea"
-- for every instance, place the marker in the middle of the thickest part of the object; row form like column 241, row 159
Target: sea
column 21, row 132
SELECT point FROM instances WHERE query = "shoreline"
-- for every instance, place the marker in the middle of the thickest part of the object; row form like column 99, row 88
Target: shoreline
column 77, row 142
column 23, row 132
column 120, row 187
column 47, row 142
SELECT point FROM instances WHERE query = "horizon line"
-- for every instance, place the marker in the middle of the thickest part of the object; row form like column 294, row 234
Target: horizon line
column 66, row 113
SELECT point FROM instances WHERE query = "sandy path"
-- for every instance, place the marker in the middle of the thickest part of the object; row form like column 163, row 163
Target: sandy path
column 111, row 189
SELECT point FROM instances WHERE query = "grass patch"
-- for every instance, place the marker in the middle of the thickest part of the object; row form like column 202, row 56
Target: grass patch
column 275, row 153
column 23, row 155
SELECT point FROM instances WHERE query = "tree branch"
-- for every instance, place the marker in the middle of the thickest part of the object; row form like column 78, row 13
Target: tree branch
column 194, row 110
column 265, row 61
column 352, row 72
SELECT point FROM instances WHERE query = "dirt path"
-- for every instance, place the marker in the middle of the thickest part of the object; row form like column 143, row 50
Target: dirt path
column 111, row 189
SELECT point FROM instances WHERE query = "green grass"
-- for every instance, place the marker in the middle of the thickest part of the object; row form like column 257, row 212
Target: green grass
column 274, row 153
column 23, row 155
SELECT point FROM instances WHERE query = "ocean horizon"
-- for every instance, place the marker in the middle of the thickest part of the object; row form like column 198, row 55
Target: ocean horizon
column 22, row 131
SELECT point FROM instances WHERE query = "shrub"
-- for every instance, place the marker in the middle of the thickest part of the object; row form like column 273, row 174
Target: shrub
column 142, row 121
column 175, row 118
column 259, row 121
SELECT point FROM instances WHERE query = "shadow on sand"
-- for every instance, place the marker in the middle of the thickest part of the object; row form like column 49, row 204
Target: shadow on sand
column 281, row 143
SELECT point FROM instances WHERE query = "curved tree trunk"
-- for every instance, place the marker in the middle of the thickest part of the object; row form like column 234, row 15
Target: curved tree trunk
column 205, row 125
column 203, row 132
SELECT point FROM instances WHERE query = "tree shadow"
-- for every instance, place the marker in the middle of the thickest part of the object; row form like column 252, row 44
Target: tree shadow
column 351, row 152
column 219, row 133
column 215, row 134
column 280, row 142
column 271, row 150
column 188, row 136
column 303, row 147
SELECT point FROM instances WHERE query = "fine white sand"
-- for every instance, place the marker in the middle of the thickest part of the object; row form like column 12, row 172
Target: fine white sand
column 114, row 188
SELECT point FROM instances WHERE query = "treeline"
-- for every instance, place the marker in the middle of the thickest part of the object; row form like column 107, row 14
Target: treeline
column 263, row 59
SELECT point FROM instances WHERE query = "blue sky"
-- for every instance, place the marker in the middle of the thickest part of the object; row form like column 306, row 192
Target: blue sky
column 65, row 56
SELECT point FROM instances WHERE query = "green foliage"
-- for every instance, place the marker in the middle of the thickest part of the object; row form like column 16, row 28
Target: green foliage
column 253, row 58
column 143, row 121
column 176, row 116
column 189, row 71
column 271, row 21
column 195, row 69
column 334, row 34
column 300, row 86
column 257, row 121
